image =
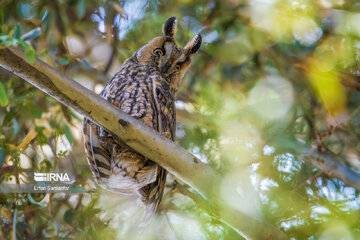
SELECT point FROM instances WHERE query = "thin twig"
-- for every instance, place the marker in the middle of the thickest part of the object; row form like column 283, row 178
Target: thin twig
column 14, row 222
column 318, row 174
column 113, row 51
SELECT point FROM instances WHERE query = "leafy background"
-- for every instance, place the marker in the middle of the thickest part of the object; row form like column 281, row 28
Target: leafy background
column 273, row 81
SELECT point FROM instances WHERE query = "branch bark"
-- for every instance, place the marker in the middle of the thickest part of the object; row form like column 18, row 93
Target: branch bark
column 137, row 135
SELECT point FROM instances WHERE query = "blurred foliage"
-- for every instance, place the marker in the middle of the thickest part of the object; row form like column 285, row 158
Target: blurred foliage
column 273, row 81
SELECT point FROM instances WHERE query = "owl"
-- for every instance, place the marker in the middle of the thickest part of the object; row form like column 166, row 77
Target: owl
column 145, row 88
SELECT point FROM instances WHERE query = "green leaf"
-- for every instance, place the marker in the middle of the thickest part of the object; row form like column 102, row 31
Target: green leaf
column 40, row 135
column 78, row 189
column 29, row 51
column 1, row 20
column 30, row 55
column 2, row 156
column 41, row 204
column 68, row 216
column 81, row 8
column 32, row 34
column 9, row 116
column 5, row 40
column 85, row 63
column 68, row 134
column 45, row 165
column 36, row 112
column 15, row 126
column 17, row 33
column 44, row 16
column 63, row 61
column 4, row 101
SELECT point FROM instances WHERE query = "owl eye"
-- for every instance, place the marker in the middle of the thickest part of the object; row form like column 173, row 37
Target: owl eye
column 178, row 67
column 158, row 52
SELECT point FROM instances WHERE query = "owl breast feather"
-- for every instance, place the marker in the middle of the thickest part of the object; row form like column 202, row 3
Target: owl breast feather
column 141, row 92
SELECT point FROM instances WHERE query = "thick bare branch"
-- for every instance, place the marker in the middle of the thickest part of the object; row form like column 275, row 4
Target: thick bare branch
column 137, row 135
column 140, row 137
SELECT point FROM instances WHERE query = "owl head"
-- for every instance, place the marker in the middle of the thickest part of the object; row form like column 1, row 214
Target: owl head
column 162, row 53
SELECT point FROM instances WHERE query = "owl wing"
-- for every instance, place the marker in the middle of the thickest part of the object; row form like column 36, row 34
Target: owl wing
column 165, row 107
column 113, row 163
column 151, row 102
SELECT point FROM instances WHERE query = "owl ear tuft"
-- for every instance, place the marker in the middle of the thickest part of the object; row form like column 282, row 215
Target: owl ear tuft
column 170, row 27
column 194, row 44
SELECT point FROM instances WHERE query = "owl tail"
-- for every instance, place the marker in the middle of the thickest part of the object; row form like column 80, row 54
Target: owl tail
column 152, row 193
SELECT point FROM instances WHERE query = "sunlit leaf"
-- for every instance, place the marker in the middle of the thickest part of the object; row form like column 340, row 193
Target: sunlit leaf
column 29, row 51
column 4, row 101
column 329, row 89
column 30, row 55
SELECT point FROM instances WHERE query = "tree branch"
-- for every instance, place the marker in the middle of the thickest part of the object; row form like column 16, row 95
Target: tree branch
column 334, row 169
column 137, row 135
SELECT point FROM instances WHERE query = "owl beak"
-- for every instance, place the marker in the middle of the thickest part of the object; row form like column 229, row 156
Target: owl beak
column 165, row 67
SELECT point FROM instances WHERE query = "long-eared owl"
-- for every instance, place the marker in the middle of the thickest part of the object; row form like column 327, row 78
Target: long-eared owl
column 144, row 88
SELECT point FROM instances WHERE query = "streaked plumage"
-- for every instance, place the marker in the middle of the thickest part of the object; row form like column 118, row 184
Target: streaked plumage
column 144, row 88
